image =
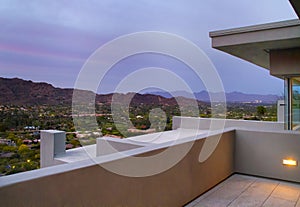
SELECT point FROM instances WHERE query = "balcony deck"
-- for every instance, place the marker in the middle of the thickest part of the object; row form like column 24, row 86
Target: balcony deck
column 242, row 190
column 240, row 150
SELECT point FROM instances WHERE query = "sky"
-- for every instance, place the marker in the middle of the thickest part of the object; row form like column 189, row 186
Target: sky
column 50, row 40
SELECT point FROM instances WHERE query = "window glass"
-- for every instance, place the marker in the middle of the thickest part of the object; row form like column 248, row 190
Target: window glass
column 295, row 103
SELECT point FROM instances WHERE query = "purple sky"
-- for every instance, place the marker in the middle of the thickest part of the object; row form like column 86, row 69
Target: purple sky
column 49, row 41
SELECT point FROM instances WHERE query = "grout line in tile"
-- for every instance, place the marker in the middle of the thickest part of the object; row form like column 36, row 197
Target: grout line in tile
column 298, row 200
column 270, row 194
column 254, row 180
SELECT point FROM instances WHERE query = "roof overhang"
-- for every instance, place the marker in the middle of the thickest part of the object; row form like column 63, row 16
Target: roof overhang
column 254, row 43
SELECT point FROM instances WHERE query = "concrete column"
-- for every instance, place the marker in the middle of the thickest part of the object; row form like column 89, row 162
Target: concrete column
column 53, row 142
column 280, row 111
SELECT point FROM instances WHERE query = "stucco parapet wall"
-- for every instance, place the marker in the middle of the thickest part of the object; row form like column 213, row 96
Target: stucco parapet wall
column 108, row 145
column 189, row 126
column 284, row 132
column 91, row 161
column 205, row 123
column 260, row 153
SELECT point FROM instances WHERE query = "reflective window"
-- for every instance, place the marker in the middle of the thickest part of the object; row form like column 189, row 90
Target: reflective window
column 292, row 106
column 295, row 103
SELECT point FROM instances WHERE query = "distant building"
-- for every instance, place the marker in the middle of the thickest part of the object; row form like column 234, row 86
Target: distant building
column 7, row 142
column 30, row 128
column 27, row 141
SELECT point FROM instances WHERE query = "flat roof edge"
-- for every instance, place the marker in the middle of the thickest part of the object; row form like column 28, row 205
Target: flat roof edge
column 253, row 28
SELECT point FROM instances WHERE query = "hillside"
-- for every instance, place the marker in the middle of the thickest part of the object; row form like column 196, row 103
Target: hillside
column 22, row 92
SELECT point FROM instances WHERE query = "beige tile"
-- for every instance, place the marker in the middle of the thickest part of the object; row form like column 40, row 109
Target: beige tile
column 200, row 198
column 201, row 205
column 298, row 203
column 278, row 202
column 191, row 204
column 245, row 191
column 287, row 191
column 256, row 194
column 228, row 192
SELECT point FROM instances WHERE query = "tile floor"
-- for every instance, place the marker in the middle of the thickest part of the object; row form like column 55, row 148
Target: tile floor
column 242, row 190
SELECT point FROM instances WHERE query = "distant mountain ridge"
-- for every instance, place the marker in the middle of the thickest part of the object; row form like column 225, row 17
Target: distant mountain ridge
column 16, row 91
column 232, row 97
column 21, row 92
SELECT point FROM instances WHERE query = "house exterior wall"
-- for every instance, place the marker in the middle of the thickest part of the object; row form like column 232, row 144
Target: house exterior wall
column 285, row 63
column 261, row 153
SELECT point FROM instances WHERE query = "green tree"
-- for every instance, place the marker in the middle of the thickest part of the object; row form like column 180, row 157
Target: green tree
column 11, row 136
column 260, row 110
column 23, row 149
column 9, row 149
